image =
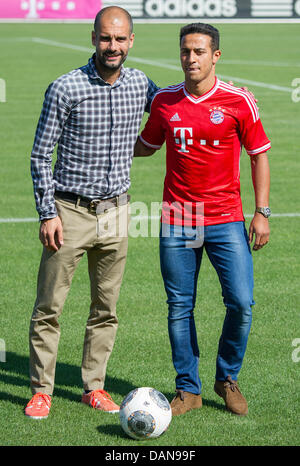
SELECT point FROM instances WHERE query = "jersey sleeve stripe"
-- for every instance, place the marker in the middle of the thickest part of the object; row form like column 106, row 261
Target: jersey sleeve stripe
column 249, row 99
column 174, row 88
column 239, row 91
column 259, row 150
column 153, row 146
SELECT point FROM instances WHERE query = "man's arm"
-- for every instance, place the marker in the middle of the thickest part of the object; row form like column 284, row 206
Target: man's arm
column 261, row 182
column 141, row 150
column 56, row 109
column 152, row 90
column 54, row 114
column 152, row 137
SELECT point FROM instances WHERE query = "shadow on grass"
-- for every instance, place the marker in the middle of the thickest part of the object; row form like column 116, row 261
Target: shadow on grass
column 214, row 404
column 15, row 373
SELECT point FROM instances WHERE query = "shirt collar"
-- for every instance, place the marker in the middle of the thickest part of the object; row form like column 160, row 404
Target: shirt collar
column 197, row 100
column 93, row 73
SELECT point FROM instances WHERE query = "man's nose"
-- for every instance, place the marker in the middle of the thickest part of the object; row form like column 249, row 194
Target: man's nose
column 112, row 45
column 192, row 57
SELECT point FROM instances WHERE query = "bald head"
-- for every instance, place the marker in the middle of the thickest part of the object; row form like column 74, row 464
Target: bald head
column 114, row 15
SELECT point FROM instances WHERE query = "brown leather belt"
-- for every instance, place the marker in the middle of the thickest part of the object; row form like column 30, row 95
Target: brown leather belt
column 98, row 206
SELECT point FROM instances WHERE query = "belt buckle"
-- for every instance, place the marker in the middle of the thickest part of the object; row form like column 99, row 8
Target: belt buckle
column 93, row 205
column 100, row 206
column 104, row 205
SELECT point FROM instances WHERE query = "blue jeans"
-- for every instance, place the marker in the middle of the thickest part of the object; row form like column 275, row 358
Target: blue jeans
column 229, row 252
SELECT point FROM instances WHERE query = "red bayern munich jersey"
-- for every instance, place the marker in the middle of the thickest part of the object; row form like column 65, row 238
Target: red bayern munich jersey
column 204, row 137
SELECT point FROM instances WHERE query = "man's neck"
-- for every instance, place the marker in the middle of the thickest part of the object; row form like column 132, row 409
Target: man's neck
column 201, row 87
column 109, row 76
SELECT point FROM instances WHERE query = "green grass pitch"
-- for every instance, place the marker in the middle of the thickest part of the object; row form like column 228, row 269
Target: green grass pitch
column 262, row 53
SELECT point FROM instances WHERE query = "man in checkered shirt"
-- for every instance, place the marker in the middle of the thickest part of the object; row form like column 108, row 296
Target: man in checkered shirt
column 93, row 114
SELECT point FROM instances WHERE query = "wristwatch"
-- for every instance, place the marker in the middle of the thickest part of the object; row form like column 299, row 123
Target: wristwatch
column 265, row 211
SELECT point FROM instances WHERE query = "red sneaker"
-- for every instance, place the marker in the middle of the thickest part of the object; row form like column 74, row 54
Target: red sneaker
column 39, row 406
column 100, row 399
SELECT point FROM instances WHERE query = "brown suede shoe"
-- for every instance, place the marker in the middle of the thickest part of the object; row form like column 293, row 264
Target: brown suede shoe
column 230, row 392
column 185, row 401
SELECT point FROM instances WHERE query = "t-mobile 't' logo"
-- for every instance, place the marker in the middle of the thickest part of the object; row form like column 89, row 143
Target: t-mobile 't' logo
column 182, row 138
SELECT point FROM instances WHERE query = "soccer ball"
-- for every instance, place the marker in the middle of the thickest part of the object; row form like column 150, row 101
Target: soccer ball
column 145, row 413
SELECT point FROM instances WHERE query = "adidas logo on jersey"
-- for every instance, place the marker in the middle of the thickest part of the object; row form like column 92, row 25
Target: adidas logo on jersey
column 175, row 117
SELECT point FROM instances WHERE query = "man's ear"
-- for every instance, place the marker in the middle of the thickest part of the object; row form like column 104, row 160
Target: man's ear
column 216, row 56
column 94, row 38
column 131, row 40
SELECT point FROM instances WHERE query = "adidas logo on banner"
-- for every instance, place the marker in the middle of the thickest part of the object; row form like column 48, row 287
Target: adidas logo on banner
column 175, row 117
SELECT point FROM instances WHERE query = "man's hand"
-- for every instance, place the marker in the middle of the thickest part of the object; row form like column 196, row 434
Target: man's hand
column 260, row 228
column 244, row 89
column 51, row 233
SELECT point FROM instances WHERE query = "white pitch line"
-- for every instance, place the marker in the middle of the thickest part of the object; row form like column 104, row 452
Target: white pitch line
column 18, row 220
column 54, row 43
column 137, row 217
column 259, row 63
column 224, row 61
column 274, row 87
column 228, row 61
column 63, row 45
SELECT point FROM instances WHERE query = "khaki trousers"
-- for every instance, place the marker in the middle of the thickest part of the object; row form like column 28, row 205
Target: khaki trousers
column 104, row 238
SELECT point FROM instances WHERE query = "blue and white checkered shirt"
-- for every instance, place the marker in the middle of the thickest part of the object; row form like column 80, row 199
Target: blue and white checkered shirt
column 95, row 126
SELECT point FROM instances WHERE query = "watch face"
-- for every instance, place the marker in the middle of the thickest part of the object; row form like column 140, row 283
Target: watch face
column 267, row 211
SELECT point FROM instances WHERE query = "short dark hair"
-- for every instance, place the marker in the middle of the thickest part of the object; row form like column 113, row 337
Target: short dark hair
column 102, row 11
column 202, row 28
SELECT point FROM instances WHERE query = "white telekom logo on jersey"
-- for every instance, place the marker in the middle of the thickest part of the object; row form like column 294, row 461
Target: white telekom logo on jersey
column 181, row 132
column 182, row 140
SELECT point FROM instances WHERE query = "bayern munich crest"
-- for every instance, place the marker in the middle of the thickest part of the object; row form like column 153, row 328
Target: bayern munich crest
column 217, row 117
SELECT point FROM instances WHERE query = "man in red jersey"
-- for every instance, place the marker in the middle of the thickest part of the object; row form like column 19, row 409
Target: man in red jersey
column 204, row 123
